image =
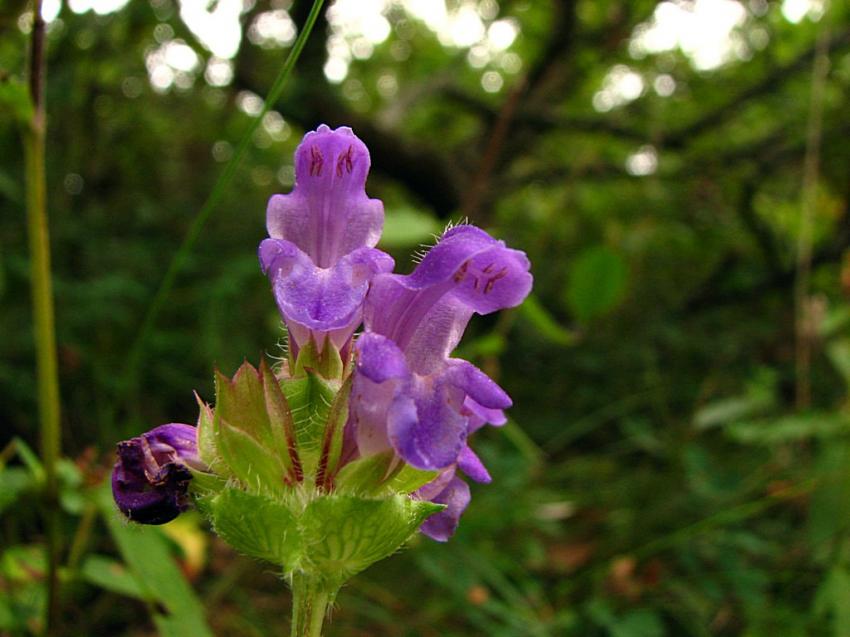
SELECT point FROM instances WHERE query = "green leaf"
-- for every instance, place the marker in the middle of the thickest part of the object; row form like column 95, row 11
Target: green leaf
column 255, row 525
column 407, row 227
column 345, row 534
column 545, row 324
column 204, row 483
column 280, row 421
column 22, row 563
column 29, row 458
column 11, row 189
column 24, row 596
column 638, row 623
column 597, row 282
column 829, row 510
column 839, row 353
column 833, row 598
column 70, row 483
column 837, row 319
column 147, row 554
column 790, row 428
column 721, row 412
column 110, row 575
column 14, row 482
column 15, row 99
column 242, row 403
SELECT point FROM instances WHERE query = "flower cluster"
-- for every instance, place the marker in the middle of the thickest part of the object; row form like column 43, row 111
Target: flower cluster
column 382, row 416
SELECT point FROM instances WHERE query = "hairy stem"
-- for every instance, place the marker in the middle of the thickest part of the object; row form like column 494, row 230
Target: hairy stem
column 310, row 601
column 42, row 306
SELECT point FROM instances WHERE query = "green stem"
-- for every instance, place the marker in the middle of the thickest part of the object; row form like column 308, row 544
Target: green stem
column 134, row 358
column 310, row 602
column 805, row 332
column 42, row 305
column 81, row 537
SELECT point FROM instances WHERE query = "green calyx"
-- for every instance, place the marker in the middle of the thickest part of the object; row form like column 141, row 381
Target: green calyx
column 325, row 360
column 329, row 537
column 276, row 491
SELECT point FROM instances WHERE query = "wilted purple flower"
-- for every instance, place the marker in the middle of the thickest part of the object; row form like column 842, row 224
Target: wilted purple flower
column 408, row 394
column 320, row 255
column 151, row 478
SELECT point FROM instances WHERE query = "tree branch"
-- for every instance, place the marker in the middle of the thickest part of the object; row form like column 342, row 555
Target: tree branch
column 708, row 122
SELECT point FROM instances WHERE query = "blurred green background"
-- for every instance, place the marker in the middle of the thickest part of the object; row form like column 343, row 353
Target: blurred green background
column 678, row 457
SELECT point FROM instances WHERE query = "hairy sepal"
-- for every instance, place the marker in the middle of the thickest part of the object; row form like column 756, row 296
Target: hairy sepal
column 327, row 363
column 346, row 534
column 381, row 474
column 255, row 525
column 310, row 398
column 253, row 431
column 328, row 538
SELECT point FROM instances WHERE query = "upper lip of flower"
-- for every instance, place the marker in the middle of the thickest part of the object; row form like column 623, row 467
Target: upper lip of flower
column 467, row 271
column 328, row 214
column 320, row 253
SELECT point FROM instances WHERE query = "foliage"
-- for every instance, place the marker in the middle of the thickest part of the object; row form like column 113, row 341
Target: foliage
column 658, row 477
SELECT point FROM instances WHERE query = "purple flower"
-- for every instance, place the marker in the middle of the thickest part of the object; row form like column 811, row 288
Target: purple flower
column 320, row 255
column 447, row 488
column 427, row 417
column 408, row 394
column 450, row 490
column 150, row 481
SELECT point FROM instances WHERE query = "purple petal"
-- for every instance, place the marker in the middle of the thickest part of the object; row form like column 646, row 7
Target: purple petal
column 151, row 478
column 476, row 384
column 381, row 372
column 426, row 418
column 487, row 275
column 369, row 403
column 467, row 271
column 326, row 301
column 441, row 526
column 379, row 359
column 173, row 442
column 480, row 416
column 471, row 465
column 328, row 215
column 432, row 489
column 427, row 325
column 425, row 425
